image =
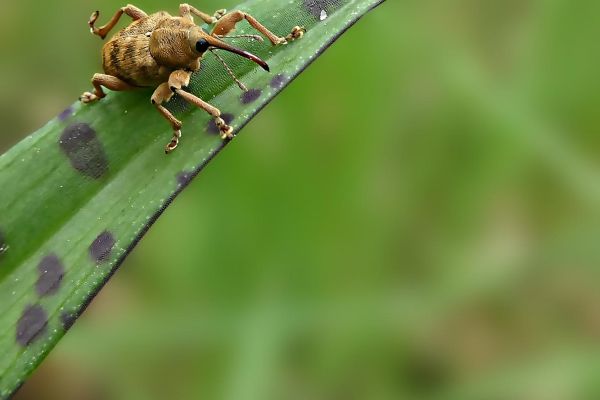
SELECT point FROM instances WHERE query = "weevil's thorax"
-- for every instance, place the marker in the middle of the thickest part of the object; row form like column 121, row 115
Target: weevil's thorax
column 170, row 44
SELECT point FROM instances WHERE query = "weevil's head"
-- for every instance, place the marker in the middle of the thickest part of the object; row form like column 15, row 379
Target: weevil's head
column 201, row 41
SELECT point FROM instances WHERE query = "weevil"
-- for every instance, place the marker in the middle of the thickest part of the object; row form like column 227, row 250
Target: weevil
column 162, row 51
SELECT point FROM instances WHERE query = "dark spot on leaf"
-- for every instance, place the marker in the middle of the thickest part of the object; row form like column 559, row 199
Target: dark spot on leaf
column 278, row 81
column 66, row 113
column 86, row 154
column 31, row 325
column 211, row 127
column 250, row 96
column 51, row 272
column 316, row 7
column 101, row 247
column 67, row 319
column 183, row 178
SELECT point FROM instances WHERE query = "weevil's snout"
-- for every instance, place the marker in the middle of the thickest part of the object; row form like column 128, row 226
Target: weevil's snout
column 219, row 44
column 205, row 42
column 249, row 56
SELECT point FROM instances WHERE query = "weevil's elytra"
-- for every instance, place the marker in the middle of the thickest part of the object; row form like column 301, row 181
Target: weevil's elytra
column 162, row 51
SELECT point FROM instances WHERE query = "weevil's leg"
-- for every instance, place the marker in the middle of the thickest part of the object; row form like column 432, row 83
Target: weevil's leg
column 227, row 23
column 186, row 11
column 134, row 12
column 180, row 79
column 162, row 94
column 109, row 82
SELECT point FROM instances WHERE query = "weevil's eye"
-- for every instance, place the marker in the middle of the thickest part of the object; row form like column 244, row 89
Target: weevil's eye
column 202, row 45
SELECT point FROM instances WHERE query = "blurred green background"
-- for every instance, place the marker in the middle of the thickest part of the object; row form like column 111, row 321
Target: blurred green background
column 416, row 216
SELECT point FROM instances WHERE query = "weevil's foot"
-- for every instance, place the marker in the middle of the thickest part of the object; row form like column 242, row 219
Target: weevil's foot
column 92, row 21
column 88, row 97
column 225, row 131
column 219, row 14
column 297, row 33
column 281, row 41
column 174, row 142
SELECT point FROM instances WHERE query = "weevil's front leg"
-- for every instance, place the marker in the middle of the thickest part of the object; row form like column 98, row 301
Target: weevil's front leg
column 227, row 23
column 109, row 82
column 162, row 94
column 134, row 12
column 180, row 79
column 186, row 11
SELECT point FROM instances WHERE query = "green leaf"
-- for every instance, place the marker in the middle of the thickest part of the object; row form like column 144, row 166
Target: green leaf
column 79, row 193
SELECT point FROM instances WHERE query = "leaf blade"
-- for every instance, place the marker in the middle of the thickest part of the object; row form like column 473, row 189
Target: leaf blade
column 86, row 187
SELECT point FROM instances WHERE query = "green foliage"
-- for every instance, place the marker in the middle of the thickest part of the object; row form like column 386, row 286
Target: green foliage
column 415, row 217
column 81, row 192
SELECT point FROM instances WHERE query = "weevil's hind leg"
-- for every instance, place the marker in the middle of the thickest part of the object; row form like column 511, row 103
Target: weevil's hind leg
column 163, row 93
column 180, row 79
column 134, row 12
column 227, row 23
column 109, row 82
column 186, row 11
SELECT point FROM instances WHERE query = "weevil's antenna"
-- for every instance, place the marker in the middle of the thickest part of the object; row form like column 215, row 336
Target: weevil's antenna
column 229, row 71
column 253, row 37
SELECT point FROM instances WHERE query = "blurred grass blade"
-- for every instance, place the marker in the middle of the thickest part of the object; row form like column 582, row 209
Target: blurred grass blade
column 77, row 195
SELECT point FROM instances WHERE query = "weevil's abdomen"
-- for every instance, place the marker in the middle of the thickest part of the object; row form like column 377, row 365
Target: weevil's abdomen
column 127, row 54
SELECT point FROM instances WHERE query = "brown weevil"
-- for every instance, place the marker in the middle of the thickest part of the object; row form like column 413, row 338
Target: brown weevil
column 162, row 51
